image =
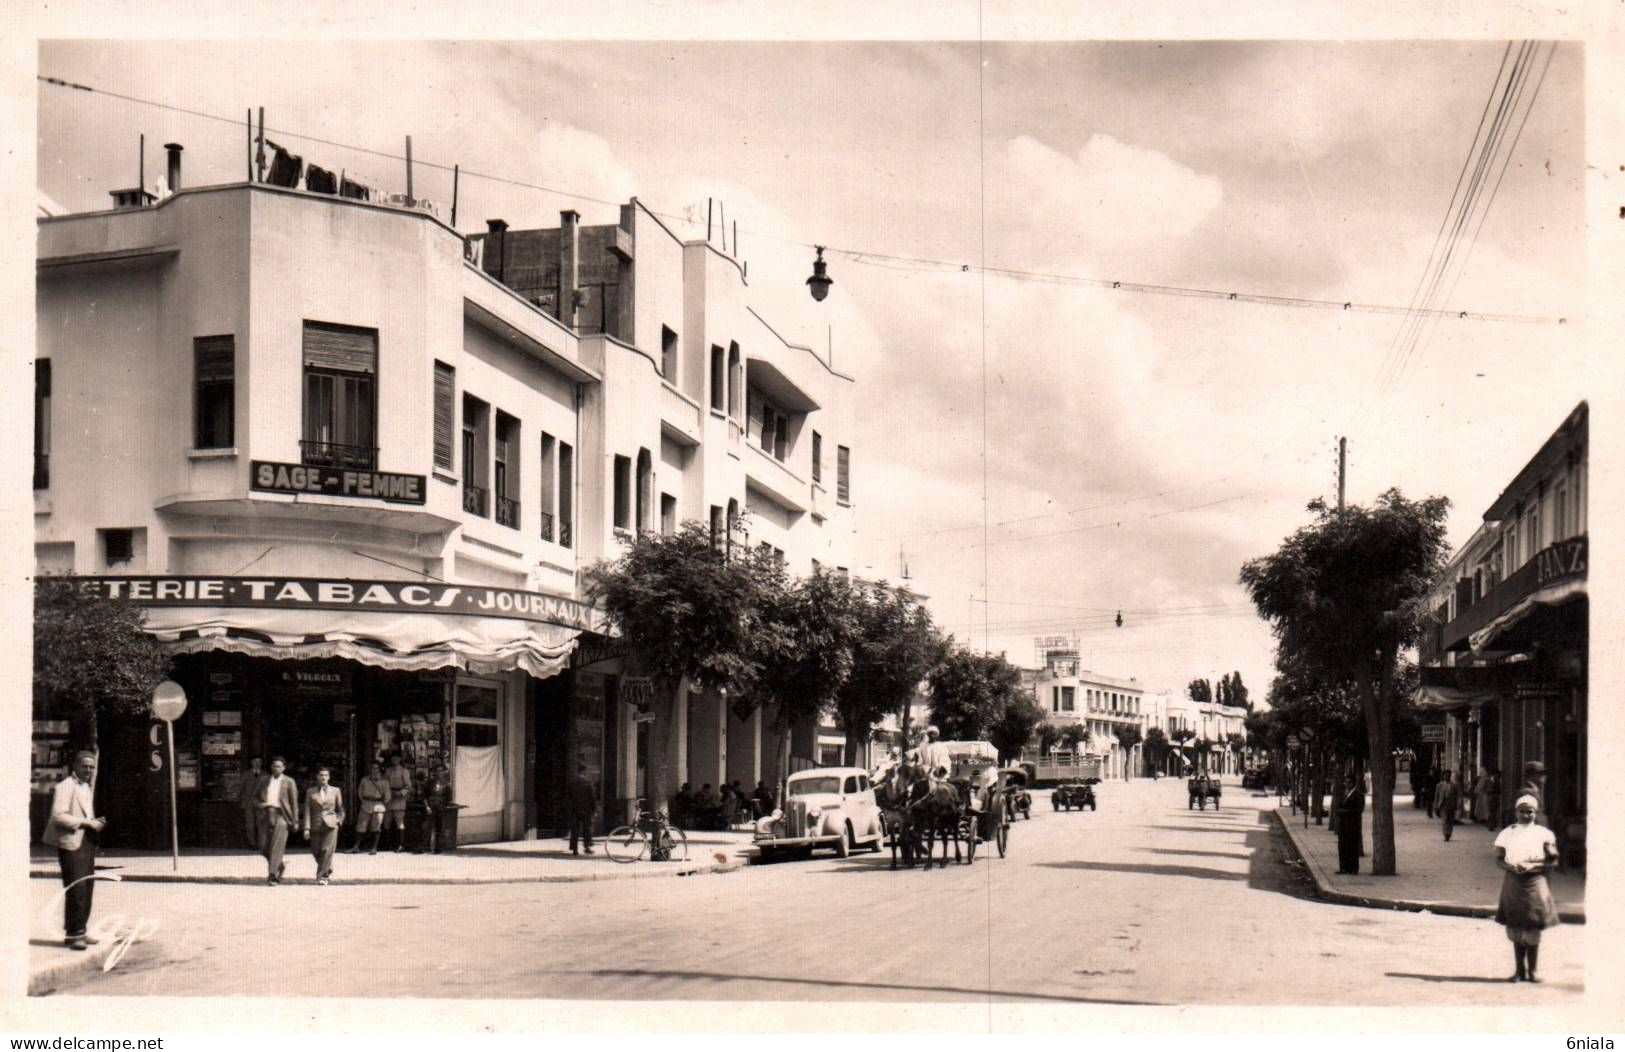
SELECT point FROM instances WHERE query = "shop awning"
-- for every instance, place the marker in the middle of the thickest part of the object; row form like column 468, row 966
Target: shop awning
column 1441, row 698
column 414, row 641
column 1552, row 595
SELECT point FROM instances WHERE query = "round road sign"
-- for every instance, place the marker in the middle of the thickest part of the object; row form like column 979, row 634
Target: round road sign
column 168, row 701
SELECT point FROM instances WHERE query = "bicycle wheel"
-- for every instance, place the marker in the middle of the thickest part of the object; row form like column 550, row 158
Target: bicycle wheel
column 627, row 844
column 679, row 844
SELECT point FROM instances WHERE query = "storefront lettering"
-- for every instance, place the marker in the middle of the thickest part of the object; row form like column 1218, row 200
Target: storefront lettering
column 1567, row 559
column 274, row 477
column 303, row 592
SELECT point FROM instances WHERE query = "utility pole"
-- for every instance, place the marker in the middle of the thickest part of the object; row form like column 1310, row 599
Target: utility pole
column 1342, row 466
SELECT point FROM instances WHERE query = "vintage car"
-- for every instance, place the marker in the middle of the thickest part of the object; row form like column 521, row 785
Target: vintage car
column 830, row 807
column 1073, row 794
column 1256, row 778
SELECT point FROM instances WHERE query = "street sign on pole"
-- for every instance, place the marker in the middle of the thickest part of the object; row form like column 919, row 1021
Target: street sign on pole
column 169, row 705
column 1292, row 741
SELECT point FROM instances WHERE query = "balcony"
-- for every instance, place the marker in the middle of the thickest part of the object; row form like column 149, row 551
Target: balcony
column 1561, row 562
column 507, row 512
column 565, row 533
column 474, row 499
column 547, row 525
column 316, row 453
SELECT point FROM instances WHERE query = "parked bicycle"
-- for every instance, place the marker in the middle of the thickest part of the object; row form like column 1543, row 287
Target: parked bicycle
column 653, row 837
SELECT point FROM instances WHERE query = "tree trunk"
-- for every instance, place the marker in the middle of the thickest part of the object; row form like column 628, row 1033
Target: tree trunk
column 1317, row 786
column 1380, row 741
column 781, row 761
column 661, row 732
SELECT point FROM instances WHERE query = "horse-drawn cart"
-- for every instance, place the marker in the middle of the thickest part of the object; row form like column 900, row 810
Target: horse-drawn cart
column 1202, row 788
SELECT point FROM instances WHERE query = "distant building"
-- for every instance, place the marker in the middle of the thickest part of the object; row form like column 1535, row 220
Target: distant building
column 1071, row 695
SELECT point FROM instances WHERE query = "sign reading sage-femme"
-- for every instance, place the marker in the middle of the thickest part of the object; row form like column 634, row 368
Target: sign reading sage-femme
column 312, row 593
column 275, row 477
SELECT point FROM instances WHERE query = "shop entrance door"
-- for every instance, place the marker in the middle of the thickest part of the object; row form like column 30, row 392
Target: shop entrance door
column 478, row 772
column 309, row 733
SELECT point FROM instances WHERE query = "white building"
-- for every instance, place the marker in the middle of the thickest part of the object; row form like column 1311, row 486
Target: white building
column 352, row 464
column 1102, row 705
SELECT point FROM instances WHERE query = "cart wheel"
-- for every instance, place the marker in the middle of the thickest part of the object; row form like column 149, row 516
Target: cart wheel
column 1004, row 839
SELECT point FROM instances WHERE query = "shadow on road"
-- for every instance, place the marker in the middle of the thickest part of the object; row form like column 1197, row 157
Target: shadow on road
column 1444, row 978
column 1243, row 855
column 1274, row 864
column 843, row 984
column 1148, row 868
column 1201, row 829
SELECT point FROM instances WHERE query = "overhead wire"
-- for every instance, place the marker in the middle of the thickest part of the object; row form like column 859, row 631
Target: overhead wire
column 862, row 256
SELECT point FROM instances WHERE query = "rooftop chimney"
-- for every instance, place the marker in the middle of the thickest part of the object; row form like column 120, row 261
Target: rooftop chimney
column 569, row 264
column 495, row 257
column 174, row 149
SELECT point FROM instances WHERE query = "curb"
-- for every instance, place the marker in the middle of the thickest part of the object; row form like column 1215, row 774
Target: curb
column 1327, row 893
column 686, row 869
column 53, row 977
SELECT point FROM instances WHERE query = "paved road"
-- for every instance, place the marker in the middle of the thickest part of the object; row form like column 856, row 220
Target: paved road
column 1141, row 902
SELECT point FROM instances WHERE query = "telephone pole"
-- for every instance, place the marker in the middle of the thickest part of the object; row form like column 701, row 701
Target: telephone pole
column 1342, row 466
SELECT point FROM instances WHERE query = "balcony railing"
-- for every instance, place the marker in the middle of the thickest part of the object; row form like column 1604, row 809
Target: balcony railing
column 547, row 525
column 1565, row 560
column 565, row 533
column 337, row 455
column 507, row 512
column 474, row 499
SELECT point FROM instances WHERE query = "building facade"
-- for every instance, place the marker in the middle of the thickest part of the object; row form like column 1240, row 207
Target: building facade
column 1103, row 705
column 352, row 465
column 1505, row 658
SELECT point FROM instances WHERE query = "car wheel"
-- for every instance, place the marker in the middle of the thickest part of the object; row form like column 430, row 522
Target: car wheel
column 766, row 855
column 1057, row 804
column 1091, row 805
column 843, row 846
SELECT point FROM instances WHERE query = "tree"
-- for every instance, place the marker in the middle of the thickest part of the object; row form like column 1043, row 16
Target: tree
column 1156, row 748
column 1199, row 691
column 1221, row 691
column 1128, row 737
column 804, row 656
column 894, row 647
column 1014, row 725
column 91, row 658
column 1344, row 596
column 689, row 617
column 1182, row 736
column 969, row 692
column 1049, row 735
column 1238, row 692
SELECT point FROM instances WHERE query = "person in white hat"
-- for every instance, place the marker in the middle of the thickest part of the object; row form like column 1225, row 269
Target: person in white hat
column 932, row 756
column 1526, row 850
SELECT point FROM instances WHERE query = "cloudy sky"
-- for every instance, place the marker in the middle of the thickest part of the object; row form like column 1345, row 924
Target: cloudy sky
column 1042, row 453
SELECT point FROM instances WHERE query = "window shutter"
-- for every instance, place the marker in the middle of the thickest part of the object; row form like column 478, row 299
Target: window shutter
column 341, row 348
column 843, row 474
column 445, row 390
column 214, row 358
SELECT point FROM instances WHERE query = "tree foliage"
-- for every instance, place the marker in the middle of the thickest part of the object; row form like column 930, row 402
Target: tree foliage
column 1013, row 726
column 91, row 658
column 1199, row 691
column 690, row 617
column 970, row 692
column 1156, row 747
column 1344, row 596
column 1237, row 693
column 895, row 645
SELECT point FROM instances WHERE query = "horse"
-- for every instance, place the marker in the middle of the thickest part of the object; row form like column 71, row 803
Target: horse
column 892, row 798
column 935, row 807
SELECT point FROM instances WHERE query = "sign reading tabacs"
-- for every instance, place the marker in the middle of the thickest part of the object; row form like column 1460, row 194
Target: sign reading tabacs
column 270, row 476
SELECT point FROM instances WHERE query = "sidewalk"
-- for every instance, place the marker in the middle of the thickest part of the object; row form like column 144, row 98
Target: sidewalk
column 1458, row 878
column 515, row 862
column 52, row 966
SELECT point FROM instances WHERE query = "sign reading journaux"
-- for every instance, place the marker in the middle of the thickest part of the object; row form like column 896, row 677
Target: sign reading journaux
column 273, row 477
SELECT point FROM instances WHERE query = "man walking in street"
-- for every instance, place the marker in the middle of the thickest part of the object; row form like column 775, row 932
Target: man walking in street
column 279, row 801
column 74, row 827
column 581, row 798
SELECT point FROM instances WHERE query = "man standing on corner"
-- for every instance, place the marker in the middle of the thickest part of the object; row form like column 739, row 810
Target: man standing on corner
column 74, row 826
column 279, row 800
column 1349, row 834
column 582, row 800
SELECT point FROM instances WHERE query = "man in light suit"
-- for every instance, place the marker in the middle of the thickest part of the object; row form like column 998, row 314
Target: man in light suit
column 73, row 829
column 279, row 799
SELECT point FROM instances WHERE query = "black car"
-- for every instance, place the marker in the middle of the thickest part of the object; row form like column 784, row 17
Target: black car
column 1256, row 778
column 1073, row 794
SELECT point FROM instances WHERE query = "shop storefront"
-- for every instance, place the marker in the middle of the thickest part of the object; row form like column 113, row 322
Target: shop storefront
column 343, row 674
